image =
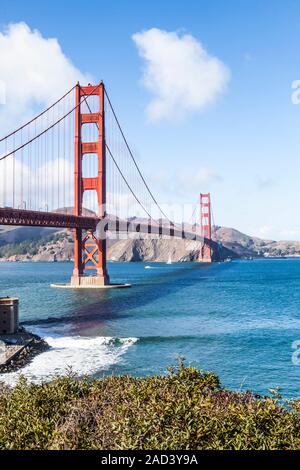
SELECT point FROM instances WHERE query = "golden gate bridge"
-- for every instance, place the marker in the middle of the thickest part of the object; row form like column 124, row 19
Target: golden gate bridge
column 71, row 167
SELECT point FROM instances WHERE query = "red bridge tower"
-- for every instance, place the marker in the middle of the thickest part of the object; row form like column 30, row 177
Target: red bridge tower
column 205, row 223
column 89, row 251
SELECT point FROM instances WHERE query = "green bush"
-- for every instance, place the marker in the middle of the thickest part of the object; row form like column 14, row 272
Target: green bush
column 187, row 409
column 29, row 246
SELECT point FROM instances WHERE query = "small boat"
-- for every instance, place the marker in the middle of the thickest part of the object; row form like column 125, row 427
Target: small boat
column 169, row 260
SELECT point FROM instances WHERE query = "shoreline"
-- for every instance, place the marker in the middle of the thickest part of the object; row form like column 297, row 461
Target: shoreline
column 21, row 348
column 253, row 258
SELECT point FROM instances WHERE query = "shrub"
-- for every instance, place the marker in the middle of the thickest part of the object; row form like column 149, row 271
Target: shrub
column 187, row 409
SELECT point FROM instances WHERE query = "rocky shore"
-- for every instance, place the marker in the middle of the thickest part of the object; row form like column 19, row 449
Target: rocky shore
column 20, row 349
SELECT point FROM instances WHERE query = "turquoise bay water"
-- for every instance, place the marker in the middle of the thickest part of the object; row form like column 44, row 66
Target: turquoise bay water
column 238, row 319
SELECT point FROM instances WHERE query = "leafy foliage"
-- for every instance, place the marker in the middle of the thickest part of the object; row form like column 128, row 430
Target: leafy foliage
column 30, row 247
column 187, row 409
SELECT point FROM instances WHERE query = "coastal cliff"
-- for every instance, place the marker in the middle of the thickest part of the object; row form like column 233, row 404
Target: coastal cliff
column 41, row 244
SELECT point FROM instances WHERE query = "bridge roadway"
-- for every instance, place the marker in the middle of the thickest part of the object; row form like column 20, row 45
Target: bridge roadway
column 10, row 216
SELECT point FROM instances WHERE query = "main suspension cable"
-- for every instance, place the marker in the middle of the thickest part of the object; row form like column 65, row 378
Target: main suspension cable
column 39, row 115
column 134, row 161
column 84, row 98
column 127, row 184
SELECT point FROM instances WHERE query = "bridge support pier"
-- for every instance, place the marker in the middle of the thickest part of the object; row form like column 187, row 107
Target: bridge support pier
column 89, row 253
column 89, row 281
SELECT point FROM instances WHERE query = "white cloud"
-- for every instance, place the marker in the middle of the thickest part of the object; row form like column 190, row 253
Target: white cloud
column 185, row 181
column 46, row 187
column 179, row 72
column 34, row 71
column 265, row 230
column 198, row 180
column 275, row 232
column 289, row 233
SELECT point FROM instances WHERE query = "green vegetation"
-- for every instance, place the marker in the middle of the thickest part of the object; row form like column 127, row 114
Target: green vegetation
column 30, row 247
column 186, row 409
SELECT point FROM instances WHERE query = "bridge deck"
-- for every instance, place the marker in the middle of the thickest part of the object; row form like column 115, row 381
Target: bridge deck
column 10, row 216
column 23, row 217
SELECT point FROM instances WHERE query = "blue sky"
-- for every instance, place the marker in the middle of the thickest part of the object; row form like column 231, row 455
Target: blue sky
column 246, row 144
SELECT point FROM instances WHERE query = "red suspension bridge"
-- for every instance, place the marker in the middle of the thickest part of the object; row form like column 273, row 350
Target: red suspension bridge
column 72, row 167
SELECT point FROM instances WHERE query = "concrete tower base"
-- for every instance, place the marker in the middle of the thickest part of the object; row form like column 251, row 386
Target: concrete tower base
column 90, row 282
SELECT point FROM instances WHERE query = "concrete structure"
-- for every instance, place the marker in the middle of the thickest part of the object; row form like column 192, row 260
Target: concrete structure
column 2, row 352
column 9, row 315
column 90, row 284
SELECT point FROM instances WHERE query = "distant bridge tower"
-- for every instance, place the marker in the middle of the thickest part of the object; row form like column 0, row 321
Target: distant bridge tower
column 89, row 252
column 205, row 224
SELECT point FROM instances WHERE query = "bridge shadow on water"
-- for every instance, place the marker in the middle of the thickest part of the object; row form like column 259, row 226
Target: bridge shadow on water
column 92, row 309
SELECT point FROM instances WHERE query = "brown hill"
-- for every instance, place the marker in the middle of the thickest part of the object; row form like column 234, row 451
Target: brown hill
column 41, row 244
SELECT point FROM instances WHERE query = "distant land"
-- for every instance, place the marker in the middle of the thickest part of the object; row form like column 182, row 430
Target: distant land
column 42, row 244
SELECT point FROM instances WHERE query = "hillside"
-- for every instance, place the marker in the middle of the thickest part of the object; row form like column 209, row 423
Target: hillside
column 59, row 247
column 41, row 244
column 245, row 246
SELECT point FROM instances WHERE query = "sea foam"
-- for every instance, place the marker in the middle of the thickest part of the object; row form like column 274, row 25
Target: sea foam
column 82, row 355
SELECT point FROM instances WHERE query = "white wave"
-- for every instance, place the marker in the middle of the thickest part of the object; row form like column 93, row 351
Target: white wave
column 153, row 267
column 84, row 355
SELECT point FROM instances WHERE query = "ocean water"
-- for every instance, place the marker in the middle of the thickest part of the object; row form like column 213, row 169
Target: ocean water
column 239, row 319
